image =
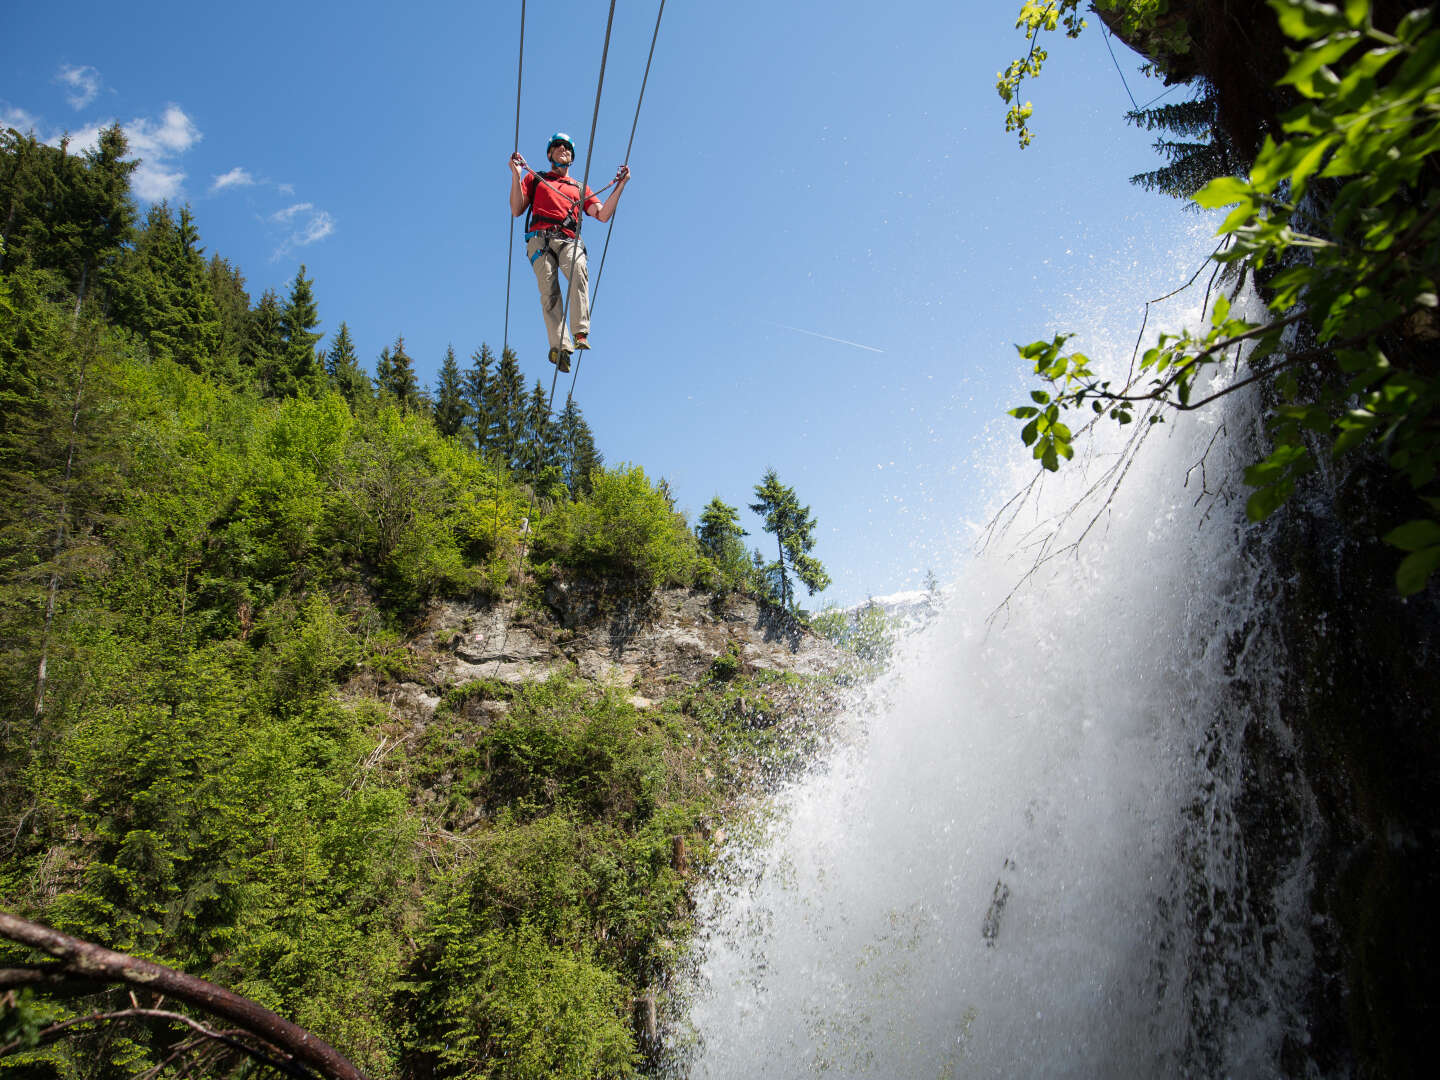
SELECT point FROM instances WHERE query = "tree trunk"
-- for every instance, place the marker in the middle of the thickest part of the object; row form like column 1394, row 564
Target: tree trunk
column 54, row 586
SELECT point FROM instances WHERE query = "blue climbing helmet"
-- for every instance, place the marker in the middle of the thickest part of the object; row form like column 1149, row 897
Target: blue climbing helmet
column 560, row 139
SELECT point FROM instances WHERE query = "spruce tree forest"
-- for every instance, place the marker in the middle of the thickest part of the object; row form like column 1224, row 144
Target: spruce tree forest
column 219, row 535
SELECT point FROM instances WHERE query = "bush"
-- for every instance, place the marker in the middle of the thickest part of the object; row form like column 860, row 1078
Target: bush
column 623, row 529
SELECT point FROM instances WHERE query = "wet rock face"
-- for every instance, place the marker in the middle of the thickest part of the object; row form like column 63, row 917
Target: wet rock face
column 1330, row 752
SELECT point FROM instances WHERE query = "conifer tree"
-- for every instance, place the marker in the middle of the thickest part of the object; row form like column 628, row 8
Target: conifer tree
column 719, row 532
column 65, row 212
column 476, row 391
column 540, row 456
column 794, row 531
column 161, row 290
column 507, row 409
column 720, row 535
column 264, row 342
column 395, row 376
column 384, row 372
column 1203, row 152
column 342, row 369
column 299, row 371
column 232, row 311
column 449, row 414
column 578, row 457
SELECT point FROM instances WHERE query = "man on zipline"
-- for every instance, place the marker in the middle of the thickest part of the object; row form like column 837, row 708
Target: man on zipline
column 552, row 243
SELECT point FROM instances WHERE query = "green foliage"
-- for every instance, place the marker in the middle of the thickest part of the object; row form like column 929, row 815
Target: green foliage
column 623, row 530
column 509, row 1005
column 1347, row 344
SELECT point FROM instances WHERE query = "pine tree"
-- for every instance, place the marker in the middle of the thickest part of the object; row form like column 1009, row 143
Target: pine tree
column 540, row 456
column 161, row 290
column 794, row 531
column 299, row 371
column 342, row 369
column 264, row 342
column 1192, row 163
column 578, row 457
column 477, row 399
column 395, row 377
column 64, row 212
column 507, row 409
column 719, row 533
column 450, row 408
column 232, row 310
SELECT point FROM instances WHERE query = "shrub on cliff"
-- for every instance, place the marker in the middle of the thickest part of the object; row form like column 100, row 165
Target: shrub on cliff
column 623, row 530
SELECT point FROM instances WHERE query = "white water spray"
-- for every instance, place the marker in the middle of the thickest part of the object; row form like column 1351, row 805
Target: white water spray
column 1024, row 862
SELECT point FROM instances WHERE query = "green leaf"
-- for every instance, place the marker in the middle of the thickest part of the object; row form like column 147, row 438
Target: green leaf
column 1415, row 569
column 1023, row 412
column 1265, row 501
column 1306, row 19
column 1222, row 191
column 1040, row 397
column 1311, row 66
column 1414, row 535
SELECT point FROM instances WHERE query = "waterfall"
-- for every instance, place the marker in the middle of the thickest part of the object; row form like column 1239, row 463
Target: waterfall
column 1026, row 858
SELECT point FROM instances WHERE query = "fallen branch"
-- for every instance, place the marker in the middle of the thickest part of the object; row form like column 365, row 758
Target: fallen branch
column 81, row 960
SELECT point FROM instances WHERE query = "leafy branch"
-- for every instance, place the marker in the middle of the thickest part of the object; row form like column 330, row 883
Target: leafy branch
column 1357, row 305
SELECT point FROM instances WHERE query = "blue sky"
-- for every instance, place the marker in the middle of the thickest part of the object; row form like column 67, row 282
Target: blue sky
column 828, row 250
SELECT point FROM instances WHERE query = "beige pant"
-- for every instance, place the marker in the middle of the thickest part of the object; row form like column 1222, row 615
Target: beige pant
column 548, row 267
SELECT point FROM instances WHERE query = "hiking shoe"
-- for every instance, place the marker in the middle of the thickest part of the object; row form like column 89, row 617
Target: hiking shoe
column 560, row 358
column 582, row 341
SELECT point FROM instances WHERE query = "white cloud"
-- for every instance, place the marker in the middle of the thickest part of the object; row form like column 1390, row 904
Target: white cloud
column 320, row 226
column 236, row 177
column 289, row 213
column 307, row 226
column 175, row 134
column 153, row 182
column 84, row 82
column 159, row 177
column 87, row 138
column 17, row 118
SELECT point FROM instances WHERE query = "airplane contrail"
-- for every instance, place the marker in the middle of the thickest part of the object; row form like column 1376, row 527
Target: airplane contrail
column 826, row 337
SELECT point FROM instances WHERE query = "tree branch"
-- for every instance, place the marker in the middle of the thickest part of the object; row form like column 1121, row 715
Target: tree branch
column 83, row 960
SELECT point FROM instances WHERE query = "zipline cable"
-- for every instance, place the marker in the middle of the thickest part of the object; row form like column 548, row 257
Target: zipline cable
column 610, row 225
column 510, row 244
column 564, row 313
column 1105, row 33
column 579, row 217
column 628, row 147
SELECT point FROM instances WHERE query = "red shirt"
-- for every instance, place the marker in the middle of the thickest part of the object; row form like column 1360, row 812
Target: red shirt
column 552, row 196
